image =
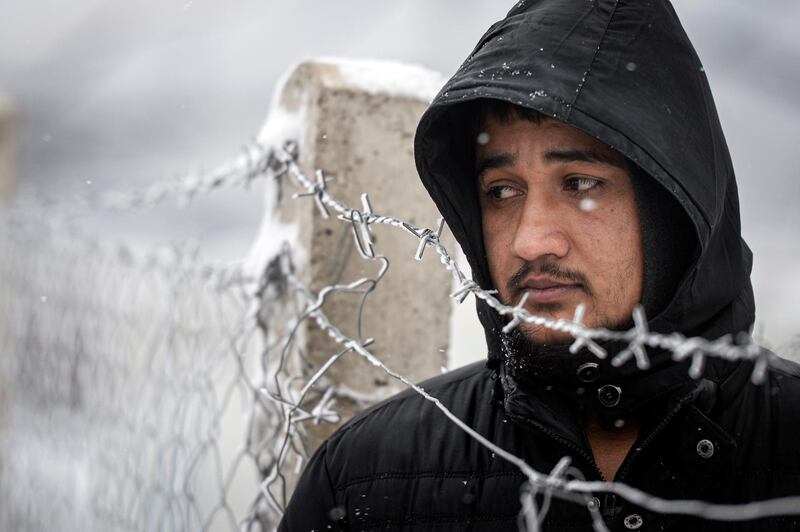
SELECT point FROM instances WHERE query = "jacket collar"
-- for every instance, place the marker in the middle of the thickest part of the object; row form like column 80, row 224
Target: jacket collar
column 587, row 383
column 662, row 397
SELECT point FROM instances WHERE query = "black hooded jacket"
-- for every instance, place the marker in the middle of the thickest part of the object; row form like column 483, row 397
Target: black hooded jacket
column 624, row 72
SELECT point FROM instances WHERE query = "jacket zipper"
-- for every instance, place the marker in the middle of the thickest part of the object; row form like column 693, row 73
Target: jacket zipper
column 563, row 441
column 626, row 465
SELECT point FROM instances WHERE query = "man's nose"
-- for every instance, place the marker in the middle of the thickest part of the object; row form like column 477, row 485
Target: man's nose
column 540, row 231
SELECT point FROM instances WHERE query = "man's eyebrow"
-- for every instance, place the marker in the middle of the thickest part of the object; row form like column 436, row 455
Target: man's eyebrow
column 587, row 155
column 494, row 160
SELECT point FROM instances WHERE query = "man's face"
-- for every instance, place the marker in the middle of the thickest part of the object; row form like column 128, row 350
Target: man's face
column 559, row 221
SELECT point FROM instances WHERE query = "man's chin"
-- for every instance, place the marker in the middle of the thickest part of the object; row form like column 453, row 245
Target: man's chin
column 541, row 336
column 537, row 335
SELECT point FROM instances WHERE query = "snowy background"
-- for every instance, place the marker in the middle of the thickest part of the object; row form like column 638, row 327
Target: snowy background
column 116, row 95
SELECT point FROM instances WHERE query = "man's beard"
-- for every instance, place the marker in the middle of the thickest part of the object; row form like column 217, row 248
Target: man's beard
column 524, row 337
column 520, row 346
column 525, row 358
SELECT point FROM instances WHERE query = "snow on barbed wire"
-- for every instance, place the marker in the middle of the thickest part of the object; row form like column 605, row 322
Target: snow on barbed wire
column 556, row 483
column 266, row 157
column 553, row 484
column 638, row 337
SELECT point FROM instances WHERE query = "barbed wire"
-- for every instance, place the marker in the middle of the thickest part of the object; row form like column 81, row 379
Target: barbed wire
column 127, row 368
column 638, row 337
column 119, row 290
column 287, row 391
column 555, row 483
column 251, row 164
column 239, row 172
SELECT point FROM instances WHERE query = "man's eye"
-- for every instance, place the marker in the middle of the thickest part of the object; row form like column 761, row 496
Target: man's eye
column 501, row 192
column 580, row 184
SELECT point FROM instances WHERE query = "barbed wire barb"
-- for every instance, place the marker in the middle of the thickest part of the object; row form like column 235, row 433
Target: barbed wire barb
column 583, row 337
column 637, row 342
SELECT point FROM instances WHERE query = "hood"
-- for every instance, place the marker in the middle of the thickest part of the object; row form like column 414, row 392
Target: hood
column 625, row 72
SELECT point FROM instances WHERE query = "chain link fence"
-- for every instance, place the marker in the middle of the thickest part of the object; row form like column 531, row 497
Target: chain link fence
column 130, row 388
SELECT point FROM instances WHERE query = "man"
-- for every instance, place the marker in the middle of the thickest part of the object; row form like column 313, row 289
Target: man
column 578, row 158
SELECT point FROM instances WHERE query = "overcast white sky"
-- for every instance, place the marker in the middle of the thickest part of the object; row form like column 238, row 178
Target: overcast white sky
column 121, row 94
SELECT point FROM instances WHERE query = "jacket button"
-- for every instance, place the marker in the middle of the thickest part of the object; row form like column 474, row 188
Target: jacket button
column 589, row 372
column 609, row 395
column 593, row 504
column 633, row 521
column 705, row 448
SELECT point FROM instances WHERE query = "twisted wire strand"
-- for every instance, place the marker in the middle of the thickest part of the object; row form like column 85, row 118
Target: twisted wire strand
column 553, row 484
column 282, row 396
column 681, row 347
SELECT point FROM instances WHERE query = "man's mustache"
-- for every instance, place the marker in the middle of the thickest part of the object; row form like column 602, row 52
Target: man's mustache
column 551, row 269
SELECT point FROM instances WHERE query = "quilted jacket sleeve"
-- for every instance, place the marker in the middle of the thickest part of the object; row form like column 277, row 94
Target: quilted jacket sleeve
column 313, row 505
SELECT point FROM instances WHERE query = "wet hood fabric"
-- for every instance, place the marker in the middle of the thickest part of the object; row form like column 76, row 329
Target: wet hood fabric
column 625, row 72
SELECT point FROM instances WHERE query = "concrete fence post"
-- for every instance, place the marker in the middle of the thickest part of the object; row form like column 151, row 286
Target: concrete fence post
column 360, row 118
column 7, row 149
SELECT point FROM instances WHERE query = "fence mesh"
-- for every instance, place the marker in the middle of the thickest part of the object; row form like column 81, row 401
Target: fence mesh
column 130, row 387
column 154, row 392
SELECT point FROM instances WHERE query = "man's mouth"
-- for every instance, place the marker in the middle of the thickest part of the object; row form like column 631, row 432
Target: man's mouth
column 544, row 289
